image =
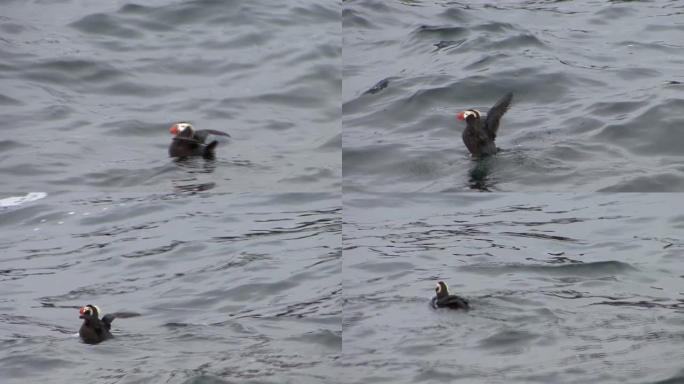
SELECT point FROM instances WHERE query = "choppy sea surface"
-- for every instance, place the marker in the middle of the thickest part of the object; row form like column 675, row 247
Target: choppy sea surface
column 598, row 105
column 90, row 89
column 231, row 270
column 231, row 267
column 563, row 288
column 226, row 288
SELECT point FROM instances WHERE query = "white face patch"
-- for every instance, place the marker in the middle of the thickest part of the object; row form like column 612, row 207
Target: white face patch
column 473, row 112
column 182, row 126
column 97, row 309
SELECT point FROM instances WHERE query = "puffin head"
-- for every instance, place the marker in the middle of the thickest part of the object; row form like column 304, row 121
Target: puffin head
column 441, row 290
column 469, row 115
column 182, row 129
column 89, row 312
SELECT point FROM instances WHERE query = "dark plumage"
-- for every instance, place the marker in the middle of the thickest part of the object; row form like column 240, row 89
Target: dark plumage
column 94, row 330
column 189, row 142
column 479, row 136
column 443, row 299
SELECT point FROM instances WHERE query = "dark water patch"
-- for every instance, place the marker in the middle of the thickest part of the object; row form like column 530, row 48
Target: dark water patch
column 199, row 10
column 206, row 379
column 496, row 27
column 664, row 130
column 315, row 175
column 333, row 143
column 352, row 18
column 455, row 14
column 115, row 230
column 137, row 9
column 485, row 61
column 242, row 40
column 615, row 108
column 518, row 41
column 448, row 43
column 663, row 182
column 17, row 274
column 128, row 88
column 540, row 236
column 314, row 14
column 275, row 125
column 73, row 71
column 440, row 32
column 556, row 260
column 384, row 266
column 587, row 269
column 677, row 378
column 12, row 28
column 641, row 304
column 602, row 16
column 371, row 158
column 133, row 128
column 156, row 251
column 9, row 101
column 301, row 97
column 436, row 374
column 53, row 113
column 106, row 25
column 633, row 73
column 15, row 367
column 9, row 145
column 379, row 86
column 508, row 338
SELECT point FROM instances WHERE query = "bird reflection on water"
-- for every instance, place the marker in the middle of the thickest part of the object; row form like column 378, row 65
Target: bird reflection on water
column 194, row 166
column 479, row 174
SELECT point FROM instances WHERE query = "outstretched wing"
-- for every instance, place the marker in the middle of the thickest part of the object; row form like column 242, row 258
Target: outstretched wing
column 494, row 115
column 206, row 132
column 107, row 321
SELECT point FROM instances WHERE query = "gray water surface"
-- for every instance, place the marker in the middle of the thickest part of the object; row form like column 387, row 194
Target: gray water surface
column 231, row 270
column 244, row 288
column 90, row 89
column 598, row 105
column 563, row 288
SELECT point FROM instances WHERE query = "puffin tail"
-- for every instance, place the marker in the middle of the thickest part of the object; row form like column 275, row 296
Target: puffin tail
column 107, row 320
column 209, row 149
column 211, row 146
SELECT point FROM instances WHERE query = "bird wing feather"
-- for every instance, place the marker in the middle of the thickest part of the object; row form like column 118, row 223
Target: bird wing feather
column 107, row 320
column 496, row 112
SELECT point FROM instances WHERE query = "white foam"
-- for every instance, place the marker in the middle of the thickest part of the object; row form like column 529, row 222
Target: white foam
column 15, row 201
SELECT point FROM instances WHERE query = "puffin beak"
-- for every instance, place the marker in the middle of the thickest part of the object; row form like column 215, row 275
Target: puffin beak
column 174, row 129
column 460, row 116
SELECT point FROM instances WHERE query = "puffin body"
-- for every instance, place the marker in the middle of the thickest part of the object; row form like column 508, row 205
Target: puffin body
column 94, row 330
column 479, row 135
column 443, row 299
column 190, row 142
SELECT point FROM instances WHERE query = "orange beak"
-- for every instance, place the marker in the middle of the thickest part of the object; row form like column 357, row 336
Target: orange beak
column 173, row 130
column 81, row 311
column 460, row 116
